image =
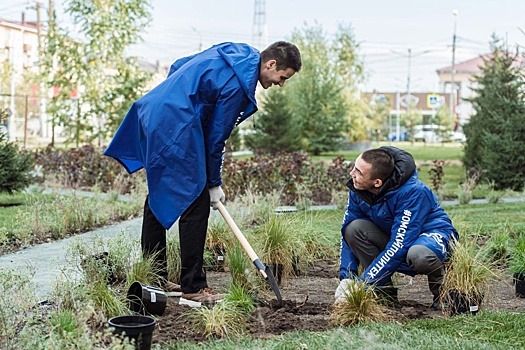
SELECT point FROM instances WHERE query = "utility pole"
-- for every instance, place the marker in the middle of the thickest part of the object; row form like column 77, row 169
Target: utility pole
column 259, row 31
column 453, row 69
column 39, row 31
column 398, row 117
column 409, row 97
column 51, row 33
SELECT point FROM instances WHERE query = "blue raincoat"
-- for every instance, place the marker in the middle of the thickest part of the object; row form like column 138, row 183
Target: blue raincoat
column 177, row 131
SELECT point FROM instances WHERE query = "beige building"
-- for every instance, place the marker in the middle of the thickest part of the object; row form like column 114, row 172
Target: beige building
column 19, row 48
column 463, row 80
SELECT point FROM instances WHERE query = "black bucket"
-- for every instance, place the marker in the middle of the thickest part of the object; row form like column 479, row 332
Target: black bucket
column 137, row 328
column 146, row 299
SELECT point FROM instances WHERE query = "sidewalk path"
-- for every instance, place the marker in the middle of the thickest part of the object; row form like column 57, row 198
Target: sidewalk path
column 48, row 260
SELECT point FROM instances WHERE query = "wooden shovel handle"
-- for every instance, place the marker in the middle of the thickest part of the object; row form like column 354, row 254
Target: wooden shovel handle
column 245, row 244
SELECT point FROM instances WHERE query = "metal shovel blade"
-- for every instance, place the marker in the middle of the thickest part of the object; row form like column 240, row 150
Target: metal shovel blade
column 270, row 278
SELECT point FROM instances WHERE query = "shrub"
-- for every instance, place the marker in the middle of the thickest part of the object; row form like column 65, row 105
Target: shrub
column 287, row 174
column 84, row 167
column 15, row 166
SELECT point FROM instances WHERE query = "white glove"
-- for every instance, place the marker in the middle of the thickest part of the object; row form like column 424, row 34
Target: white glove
column 216, row 195
column 342, row 288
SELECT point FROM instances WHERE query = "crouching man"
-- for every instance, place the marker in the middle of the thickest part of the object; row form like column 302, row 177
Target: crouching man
column 393, row 223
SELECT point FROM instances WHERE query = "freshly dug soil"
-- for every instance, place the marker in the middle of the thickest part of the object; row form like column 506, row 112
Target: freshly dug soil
column 307, row 305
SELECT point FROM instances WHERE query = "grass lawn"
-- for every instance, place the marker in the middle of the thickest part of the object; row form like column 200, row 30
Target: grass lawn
column 484, row 331
column 421, row 152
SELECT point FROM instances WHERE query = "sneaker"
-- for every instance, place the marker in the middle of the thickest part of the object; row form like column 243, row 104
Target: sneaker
column 172, row 289
column 204, row 296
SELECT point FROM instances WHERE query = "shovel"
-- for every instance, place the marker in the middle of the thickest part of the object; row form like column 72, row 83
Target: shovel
column 265, row 271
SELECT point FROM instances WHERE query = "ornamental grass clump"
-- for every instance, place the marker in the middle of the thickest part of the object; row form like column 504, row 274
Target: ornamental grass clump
column 468, row 273
column 242, row 298
column 241, row 269
column 218, row 240
column 358, row 304
column 279, row 243
column 173, row 257
column 223, row 320
column 517, row 258
column 496, row 249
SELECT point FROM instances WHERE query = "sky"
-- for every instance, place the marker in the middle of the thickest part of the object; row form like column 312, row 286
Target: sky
column 386, row 30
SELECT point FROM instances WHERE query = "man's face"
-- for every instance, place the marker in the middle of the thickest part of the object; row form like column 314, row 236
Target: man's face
column 269, row 75
column 361, row 175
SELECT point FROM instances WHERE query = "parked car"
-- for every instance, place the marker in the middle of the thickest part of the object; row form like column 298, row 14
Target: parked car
column 435, row 133
column 456, row 136
column 403, row 135
column 427, row 133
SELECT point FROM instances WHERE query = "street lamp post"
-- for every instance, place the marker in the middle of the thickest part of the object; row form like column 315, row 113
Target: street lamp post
column 453, row 68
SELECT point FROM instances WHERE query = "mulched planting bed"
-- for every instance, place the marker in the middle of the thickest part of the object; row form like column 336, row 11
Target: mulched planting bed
column 307, row 304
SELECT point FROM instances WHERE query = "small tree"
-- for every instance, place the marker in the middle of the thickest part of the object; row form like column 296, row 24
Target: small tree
column 15, row 166
column 409, row 121
column 444, row 121
column 319, row 96
column 275, row 128
column 496, row 133
column 96, row 65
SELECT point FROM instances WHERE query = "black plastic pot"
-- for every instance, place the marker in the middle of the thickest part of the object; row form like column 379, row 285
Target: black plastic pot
column 519, row 283
column 463, row 303
column 146, row 299
column 137, row 328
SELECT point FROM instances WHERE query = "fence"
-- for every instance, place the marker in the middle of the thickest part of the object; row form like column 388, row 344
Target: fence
column 22, row 119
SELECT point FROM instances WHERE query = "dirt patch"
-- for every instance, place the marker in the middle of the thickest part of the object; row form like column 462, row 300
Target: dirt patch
column 308, row 300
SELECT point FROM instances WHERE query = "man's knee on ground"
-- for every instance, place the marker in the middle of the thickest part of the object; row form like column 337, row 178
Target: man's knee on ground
column 423, row 260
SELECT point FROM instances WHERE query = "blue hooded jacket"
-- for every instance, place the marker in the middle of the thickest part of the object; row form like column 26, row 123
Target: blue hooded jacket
column 406, row 208
column 177, row 131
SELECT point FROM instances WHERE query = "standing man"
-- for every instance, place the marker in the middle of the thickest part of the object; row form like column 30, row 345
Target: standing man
column 177, row 133
column 393, row 223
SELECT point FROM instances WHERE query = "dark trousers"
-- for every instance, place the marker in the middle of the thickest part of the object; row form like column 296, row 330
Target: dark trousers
column 193, row 225
column 367, row 241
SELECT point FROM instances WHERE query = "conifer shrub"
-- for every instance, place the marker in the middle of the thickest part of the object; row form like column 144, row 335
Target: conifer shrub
column 15, row 166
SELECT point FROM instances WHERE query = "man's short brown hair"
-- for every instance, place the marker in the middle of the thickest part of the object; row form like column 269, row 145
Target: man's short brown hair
column 286, row 55
column 382, row 163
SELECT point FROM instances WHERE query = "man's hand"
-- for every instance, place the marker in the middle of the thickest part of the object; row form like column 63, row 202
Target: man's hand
column 348, row 286
column 216, row 195
column 342, row 287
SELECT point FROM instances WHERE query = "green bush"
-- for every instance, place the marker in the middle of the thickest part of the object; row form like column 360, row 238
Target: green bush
column 15, row 166
column 288, row 174
column 84, row 167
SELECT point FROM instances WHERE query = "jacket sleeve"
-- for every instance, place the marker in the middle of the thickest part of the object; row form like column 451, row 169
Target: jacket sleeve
column 228, row 108
column 348, row 262
column 410, row 214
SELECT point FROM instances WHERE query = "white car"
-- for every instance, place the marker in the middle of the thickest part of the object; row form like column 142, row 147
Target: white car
column 456, row 136
column 431, row 133
column 427, row 133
